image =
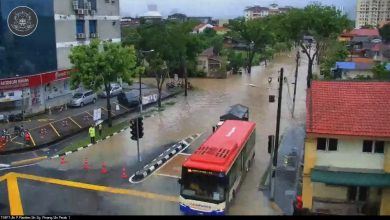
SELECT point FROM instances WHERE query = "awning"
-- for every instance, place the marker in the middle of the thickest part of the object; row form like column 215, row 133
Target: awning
column 350, row 178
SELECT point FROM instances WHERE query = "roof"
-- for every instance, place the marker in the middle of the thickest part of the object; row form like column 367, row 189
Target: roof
column 348, row 108
column 152, row 14
column 220, row 28
column 256, row 8
column 221, row 148
column 365, row 32
column 209, row 52
column 350, row 178
column 200, row 26
column 357, row 65
column 236, row 112
column 362, row 60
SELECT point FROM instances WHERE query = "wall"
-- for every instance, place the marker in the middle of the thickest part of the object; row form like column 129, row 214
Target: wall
column 386, row 166
column 310, row 155
column 349, row 155
column 385, row 202
column 321, row 190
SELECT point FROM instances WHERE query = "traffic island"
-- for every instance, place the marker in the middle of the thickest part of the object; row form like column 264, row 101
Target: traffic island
column 140, row 175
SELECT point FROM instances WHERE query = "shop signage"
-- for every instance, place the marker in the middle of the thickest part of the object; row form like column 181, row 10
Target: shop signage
column 34, row 80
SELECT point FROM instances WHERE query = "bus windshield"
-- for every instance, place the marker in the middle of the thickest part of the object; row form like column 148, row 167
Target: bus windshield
column 203, row 187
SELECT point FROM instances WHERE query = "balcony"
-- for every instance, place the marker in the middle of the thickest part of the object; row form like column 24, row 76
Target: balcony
column 93, row 35
column 80, row 36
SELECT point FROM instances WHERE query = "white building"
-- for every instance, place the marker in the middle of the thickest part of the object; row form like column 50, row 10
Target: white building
column 372, row 12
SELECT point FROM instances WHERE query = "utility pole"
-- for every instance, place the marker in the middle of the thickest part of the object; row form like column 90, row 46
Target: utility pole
column 139, row 155
column 295, row 83
column 276, row 147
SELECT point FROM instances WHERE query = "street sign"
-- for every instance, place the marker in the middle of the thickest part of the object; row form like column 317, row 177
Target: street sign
column 97, row 114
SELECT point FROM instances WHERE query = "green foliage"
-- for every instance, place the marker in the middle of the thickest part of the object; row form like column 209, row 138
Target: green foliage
column 336, row 51
column 99, row 65
column 385, row 33
column 380, row 71
column 209, row 32
column 236, row 61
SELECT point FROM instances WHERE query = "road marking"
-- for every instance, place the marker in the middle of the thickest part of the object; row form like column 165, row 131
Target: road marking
column 107, row 111
column 32, row 140
column 28, row 160
column 54, row 129
column 167, row 175
column 107, row 189
column 74, row 122
column 2, row 178
column 88, row 113
column 16, row 142
column 15, row 203
column 185, row 154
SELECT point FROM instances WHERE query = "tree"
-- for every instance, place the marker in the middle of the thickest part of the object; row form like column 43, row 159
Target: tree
column 380, row 71
column 98, row 65
column 320, row 22
column 258, row 31
column 385, row 32
column 236, row 61
column 159, row 68
column 336, row 51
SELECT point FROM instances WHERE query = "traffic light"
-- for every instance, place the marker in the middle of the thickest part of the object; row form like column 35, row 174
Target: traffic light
column 140, row 127
column 133, row 127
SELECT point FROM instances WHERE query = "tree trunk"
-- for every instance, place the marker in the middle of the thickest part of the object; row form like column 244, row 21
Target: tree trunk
column 107, row 88
column 159, row 98
column 251, row 56
column 265, row 62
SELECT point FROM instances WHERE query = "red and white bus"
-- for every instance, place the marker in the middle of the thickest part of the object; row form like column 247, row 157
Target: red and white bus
column 212, row 174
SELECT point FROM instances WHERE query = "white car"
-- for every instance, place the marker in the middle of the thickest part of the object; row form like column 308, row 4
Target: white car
column 116, row 89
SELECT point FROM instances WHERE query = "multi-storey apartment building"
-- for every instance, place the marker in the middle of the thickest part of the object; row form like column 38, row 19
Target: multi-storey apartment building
column 372, row 12
column 347, row 148
column 260, row 12
column 35, row 41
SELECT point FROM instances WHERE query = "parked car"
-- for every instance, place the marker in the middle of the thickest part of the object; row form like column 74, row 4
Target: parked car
column 129, row 99
column 80, row 99
column 116, row 89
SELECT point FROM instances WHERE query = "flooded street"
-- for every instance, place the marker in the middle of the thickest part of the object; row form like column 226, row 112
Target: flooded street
column 196, row 113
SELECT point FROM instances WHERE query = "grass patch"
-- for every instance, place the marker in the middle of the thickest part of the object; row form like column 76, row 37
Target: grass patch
column 105, row 132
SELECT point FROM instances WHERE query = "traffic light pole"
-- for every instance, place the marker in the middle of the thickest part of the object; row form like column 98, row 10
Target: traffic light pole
column 138, row 154
column 276, row 147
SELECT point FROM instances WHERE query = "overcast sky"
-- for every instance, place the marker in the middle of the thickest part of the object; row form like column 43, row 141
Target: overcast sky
column 217, row 8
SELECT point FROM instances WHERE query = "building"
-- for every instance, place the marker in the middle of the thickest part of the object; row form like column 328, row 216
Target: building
column 347, row 148
column 372, row 12
column 260, row 12
column 35, row 42
column 177, row 17
column 255, row 12
column 151, row 16
column 201, row 27
column 211, row 64
column 205, row 20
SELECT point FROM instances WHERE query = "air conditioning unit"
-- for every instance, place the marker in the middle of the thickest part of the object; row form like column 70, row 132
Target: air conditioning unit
column 89, row 5
column 80, row 35
column 80, row 11
column 75, row 5
column 93, row 12
column 93, row 35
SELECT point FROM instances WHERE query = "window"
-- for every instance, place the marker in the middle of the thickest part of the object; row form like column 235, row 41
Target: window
column 373, row 146
column 80, row 26
column 327, row 144
column 92, row 26
column 93, row 5
column 357, row 193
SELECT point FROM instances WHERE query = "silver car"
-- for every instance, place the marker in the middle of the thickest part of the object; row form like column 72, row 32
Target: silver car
column 116, row 89
column 80, row 99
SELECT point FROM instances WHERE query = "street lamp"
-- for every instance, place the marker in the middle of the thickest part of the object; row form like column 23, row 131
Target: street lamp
column 140, row 53
column 140, row 58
